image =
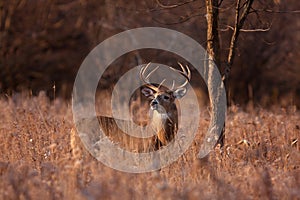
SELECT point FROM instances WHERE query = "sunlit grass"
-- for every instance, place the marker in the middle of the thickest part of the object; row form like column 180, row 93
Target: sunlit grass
column 41, row 156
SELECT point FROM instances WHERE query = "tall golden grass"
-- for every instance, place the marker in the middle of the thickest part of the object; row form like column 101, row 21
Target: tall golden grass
column 41, row 156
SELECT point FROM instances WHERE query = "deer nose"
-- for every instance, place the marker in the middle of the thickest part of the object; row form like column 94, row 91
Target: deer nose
column 154, row 102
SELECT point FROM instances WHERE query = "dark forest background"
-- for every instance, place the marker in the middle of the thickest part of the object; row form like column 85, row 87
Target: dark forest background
column 43, row 43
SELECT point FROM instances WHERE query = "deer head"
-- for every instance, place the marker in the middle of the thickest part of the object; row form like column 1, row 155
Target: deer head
column 161, row 97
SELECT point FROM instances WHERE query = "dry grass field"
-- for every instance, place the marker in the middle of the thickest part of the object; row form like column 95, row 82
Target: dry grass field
column 41, row 157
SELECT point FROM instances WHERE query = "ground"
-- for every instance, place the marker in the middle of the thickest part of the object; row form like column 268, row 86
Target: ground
column 41, row 155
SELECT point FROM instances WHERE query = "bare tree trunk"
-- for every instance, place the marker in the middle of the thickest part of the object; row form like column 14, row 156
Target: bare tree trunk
column 213, row 48
column 213, row 44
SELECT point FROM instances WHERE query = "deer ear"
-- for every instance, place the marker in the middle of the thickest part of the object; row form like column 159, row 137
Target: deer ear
column 147, row 92
column 180, row 92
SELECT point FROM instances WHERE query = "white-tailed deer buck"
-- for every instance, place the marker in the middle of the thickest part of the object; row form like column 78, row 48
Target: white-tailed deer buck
column 164, row 119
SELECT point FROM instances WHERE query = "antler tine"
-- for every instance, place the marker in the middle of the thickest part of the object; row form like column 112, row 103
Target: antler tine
column 181, row 66
column 142, row 72
column 186, row 73
column 173, row 85
column 152, row 72
column 146, row 79
column 161, row 83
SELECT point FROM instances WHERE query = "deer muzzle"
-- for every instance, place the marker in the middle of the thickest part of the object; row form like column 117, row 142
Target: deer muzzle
column 154, row 104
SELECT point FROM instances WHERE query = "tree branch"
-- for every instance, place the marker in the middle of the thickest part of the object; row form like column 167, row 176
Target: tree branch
column 165, row 6
column 228, row 27
column 181, row 20
column 174, row 5
column 280, row 11
column 239, row 22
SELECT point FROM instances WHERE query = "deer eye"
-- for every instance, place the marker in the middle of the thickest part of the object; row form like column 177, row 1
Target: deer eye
column 166, row 97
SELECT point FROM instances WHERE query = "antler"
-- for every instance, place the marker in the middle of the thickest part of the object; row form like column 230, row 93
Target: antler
column 186, row 73
column 146, row 79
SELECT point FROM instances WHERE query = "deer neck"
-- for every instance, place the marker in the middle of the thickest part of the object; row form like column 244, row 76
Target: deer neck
column 164, row 125
column 160, row 120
